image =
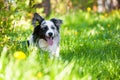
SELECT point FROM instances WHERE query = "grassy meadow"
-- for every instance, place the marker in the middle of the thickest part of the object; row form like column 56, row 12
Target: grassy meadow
column 90, row 49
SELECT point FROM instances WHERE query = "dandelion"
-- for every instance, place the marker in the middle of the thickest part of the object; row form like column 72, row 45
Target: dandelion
column 102, row 16
column 12, row 17
column 88, row 9
column 39, row 74
column 76, row 33
column 105, row 14
column 19, row 55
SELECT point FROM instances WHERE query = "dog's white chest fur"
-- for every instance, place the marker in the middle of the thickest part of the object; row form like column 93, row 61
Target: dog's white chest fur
column 42, row 44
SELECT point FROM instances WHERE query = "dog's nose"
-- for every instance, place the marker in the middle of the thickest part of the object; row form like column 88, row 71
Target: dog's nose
column 50, row 34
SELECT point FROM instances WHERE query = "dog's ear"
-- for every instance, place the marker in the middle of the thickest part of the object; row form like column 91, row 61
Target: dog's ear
column 57, row 22
column 38, row 18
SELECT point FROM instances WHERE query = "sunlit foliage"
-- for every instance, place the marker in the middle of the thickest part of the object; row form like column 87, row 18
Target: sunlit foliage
column 90, row 46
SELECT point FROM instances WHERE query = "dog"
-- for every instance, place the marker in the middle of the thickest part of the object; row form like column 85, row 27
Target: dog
column 46, row 34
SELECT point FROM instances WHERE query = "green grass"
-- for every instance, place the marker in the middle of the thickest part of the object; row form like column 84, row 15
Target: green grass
column 90, row 50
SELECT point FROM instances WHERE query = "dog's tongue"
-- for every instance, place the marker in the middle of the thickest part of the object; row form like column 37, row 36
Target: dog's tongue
column 49, row 41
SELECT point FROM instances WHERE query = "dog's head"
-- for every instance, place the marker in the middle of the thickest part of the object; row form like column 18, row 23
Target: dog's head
column 46, row 29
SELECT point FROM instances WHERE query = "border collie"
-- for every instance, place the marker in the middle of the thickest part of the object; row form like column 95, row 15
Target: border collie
column 46, row 34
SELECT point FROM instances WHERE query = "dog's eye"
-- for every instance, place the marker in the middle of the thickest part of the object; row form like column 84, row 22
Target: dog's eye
column 53, row 27
column 45, row 28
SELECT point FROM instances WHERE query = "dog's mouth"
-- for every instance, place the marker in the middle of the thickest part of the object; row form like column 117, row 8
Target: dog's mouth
column 49, row 40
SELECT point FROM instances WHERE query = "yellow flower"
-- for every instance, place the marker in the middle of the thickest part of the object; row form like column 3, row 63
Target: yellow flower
column 39, row 74
column 11, row 16
column 19, row 55
column 76, row 33
column 105, row 14
column 88, row 9
column 102, row 16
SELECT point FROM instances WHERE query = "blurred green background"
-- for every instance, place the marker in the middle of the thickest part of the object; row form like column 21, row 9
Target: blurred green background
column 90, row 40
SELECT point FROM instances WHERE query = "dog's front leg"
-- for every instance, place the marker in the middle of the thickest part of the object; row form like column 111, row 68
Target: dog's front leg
column 55, row 53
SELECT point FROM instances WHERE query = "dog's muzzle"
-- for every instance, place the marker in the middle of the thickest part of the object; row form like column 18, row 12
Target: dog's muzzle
column 49, row 38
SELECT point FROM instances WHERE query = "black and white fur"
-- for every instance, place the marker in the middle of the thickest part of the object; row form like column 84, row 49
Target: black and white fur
column 46, row 34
